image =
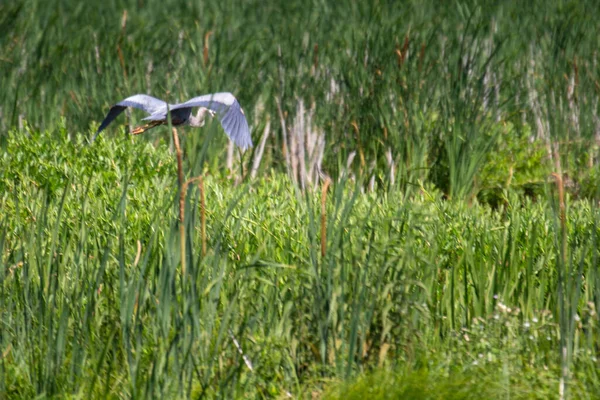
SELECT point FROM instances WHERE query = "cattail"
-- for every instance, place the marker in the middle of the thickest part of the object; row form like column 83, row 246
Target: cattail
column 205, row 49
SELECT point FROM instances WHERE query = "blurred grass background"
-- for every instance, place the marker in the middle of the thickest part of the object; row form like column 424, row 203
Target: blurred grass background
column 434, row 92
column 455, row 254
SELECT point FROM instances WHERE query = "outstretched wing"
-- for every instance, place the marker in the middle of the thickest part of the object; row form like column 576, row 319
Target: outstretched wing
column 230, row 113
column 144, row 102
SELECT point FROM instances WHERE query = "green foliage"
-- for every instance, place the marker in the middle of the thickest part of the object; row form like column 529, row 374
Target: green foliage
column 421, row 288
column 94, row 303
column 431, row 86
column 504, row 355
column 518, row 163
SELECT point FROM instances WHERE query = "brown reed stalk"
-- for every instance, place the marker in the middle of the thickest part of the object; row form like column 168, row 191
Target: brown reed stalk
column 562, row 214
column 182, row 189
column 205, row 50
column 324, row 216
column 563, row 258
column 202, row 214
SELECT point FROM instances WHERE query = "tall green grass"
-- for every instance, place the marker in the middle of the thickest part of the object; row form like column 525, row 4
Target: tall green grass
column 429, row 85
column 94, row 302
column 446, row 253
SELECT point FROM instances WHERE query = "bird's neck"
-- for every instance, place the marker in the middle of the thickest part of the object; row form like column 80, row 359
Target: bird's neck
column 198, row 119
column 195, row 121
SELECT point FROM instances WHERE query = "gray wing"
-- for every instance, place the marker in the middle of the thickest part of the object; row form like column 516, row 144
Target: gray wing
column 144, row 102
column 230, row 113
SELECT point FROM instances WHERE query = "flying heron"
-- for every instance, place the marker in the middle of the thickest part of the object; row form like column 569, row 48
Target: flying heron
column 223, row 105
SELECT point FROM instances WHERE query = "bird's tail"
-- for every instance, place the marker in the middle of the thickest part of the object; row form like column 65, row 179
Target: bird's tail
column 143, row 128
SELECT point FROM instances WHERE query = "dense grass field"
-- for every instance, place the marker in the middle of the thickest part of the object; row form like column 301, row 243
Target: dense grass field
column 418, row 217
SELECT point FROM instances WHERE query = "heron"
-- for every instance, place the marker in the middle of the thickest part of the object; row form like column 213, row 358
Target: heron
column 224, row 105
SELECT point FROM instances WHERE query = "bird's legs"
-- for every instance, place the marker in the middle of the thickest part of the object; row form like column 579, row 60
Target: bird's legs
column 143, row 128
column 196, row 121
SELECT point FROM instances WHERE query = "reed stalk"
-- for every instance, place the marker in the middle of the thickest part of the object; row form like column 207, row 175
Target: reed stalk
column 182, row 195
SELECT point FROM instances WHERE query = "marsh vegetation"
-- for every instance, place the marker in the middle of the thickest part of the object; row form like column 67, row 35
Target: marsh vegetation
column 418, row 218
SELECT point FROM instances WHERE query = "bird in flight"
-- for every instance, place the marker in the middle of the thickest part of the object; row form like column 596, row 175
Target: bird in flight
column 224, row 105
